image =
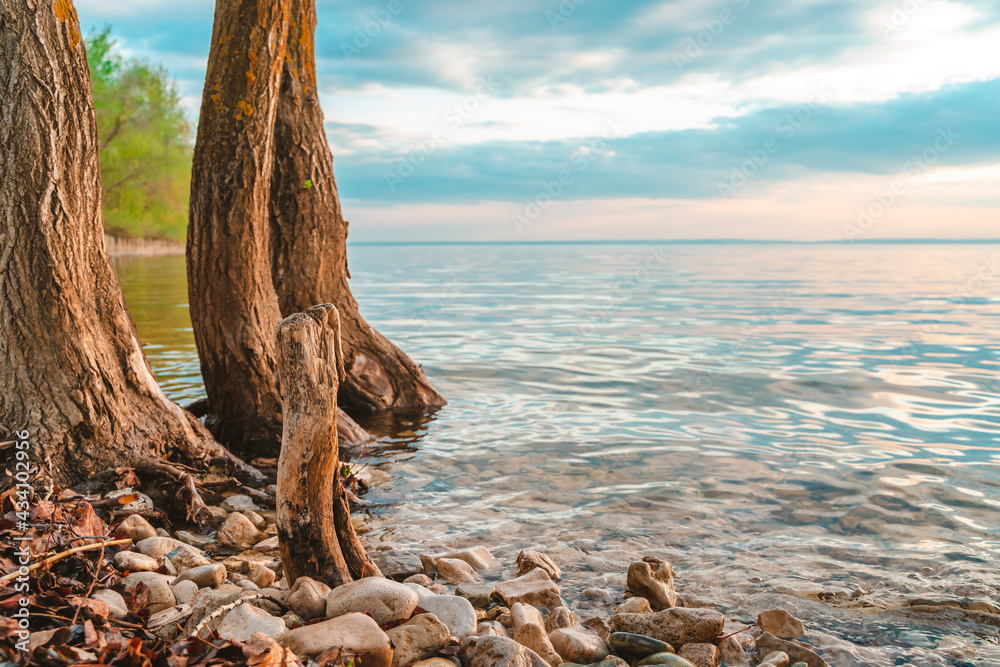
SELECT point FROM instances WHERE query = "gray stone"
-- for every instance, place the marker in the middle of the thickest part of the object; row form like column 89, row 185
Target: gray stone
column 136, row 527
column 181, row 556
column 135, row 562
column 781, row 624
column 116, row 603
column 455, row 612
column 533, row 588
column 457, row 572
column 652, row 579
column 244, row 620
column 239, row 503
column 417, row 639
column 166, row 623
column 477, row 594
column 239, row 531
column 160, row 595
column 576, row 645
column 396, row 564
column 184, row 591
column 204, row 576
column 355, row 633
column 308, row 598
column 497, row 652
column 384, row 600
column 676, row 626
column 637, row 646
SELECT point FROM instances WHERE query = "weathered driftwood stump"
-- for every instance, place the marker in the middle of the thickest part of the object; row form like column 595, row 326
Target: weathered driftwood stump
column 314, row 520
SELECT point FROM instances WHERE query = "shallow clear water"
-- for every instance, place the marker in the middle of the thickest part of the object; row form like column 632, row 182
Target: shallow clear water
column 807, row 426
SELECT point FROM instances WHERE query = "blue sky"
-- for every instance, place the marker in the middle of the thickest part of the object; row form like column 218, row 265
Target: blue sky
column 612, row 119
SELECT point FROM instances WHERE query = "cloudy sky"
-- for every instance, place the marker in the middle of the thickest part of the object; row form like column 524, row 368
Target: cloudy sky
column 529, row 120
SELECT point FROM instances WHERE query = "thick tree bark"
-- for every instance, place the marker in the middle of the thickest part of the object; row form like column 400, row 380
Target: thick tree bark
column 72, row 373
column 314, row 523
column 309, row 236
column 234, row 308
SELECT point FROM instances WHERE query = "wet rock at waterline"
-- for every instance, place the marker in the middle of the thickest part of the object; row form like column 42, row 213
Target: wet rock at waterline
column 637, row 646
column 781, row 624
column 767, row 643
column 675, row 626
column 535, row 588
column 529, row 560
column 652, row 579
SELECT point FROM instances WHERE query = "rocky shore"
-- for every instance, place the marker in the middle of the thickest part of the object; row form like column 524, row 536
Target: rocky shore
column 463, row 608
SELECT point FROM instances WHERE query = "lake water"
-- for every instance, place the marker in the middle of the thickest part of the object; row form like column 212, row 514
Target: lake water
column 806, row 426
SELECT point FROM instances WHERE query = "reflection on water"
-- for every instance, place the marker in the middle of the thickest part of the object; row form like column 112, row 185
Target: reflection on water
column 814, row 427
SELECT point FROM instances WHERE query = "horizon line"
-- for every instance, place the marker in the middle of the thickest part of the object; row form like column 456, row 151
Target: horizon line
column 686, row 242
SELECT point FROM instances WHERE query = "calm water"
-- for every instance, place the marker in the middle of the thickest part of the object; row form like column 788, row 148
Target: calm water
column 813, row 427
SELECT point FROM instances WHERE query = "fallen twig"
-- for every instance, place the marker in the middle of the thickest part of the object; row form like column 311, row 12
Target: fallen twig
column 6, row 579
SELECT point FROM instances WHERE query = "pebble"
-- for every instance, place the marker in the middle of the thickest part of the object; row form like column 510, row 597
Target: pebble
column 135, row 562
column 561, row 617
column 775, row 659
column 455, row 612
column 239, row 503
column 354, row 632
column 491, row 629
column 701, row 654
column 733, row 653
column 204, row 576
column 262, row 576
column 143, row 504
column 417, row 639
column 634, row 606
column 457, row 571
column 781, row 624
column 768, row 643
column 669, row 659
column 522, row 614
column 308, row 598
column 434, row 662
column 534, row 588
column 244, row 620
column 676, row 626
column 396, row 564
column 479, row 558
column 384, row 600
column 116, row 603
column 181, row 556
column 637, row 646
column 259, row 522
column 184, row 591
column 478, row 594
column 194, row 539
column 420, row 579
column 653, row 579
column 529, row 560
column 580, row 646
column 238, row 531
column 494, row 651
column 166, row 623
column 533, row 636
column 160, row 595
column 136, row 527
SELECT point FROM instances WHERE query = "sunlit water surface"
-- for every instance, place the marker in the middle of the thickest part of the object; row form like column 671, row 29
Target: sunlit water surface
column 811, row 427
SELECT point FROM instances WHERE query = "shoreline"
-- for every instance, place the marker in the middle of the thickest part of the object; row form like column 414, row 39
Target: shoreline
column 119, row 246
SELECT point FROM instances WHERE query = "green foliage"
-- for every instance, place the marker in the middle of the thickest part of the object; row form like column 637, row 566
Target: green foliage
column 145, row 144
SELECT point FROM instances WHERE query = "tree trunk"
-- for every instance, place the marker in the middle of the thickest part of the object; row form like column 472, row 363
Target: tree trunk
column 314, row 523
column 74, row 381
column 234, row 308
column 309, row 236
